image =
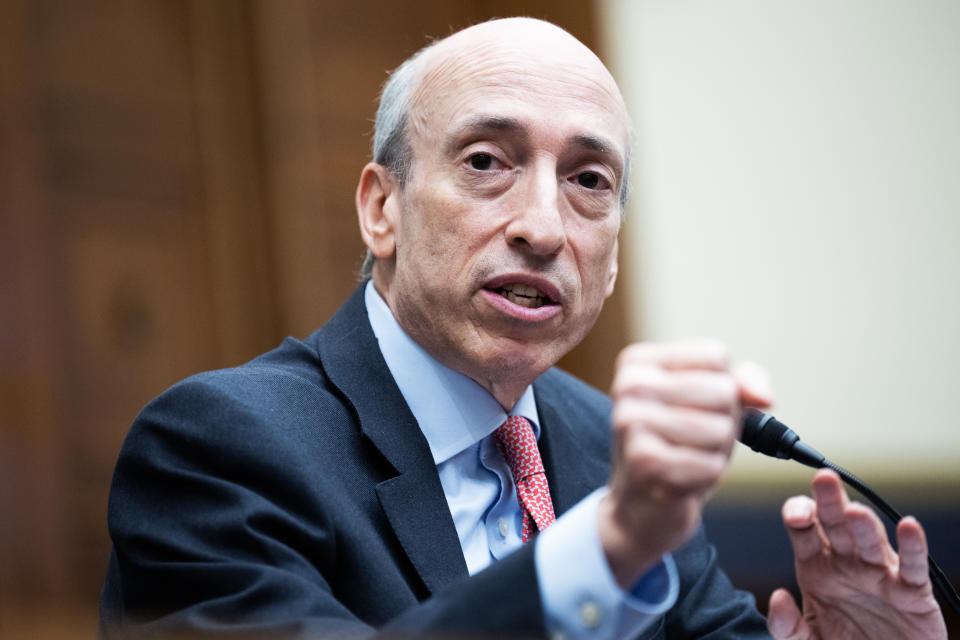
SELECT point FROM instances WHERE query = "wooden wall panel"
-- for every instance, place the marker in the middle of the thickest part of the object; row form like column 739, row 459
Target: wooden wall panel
column 131, row 255
column 176, row 194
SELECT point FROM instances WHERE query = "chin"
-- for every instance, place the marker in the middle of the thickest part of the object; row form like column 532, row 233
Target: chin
column 524, row 361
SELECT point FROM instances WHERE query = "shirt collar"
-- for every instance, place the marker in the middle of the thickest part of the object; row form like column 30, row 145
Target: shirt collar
column 453, row 411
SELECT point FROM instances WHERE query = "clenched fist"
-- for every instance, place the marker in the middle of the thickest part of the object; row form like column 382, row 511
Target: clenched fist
column 676, row 416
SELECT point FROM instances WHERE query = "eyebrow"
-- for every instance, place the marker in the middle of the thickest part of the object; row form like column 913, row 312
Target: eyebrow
column 594, row 143
column 482, row 123
column 498, row 123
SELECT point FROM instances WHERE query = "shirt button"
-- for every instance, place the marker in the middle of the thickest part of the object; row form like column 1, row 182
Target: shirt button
column 590, row 614
column 503, row 526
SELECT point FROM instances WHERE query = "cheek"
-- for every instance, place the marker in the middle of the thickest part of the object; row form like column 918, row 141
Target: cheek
column 595, row 252
column 437, row 243
column 450, row 229
column 429, row 214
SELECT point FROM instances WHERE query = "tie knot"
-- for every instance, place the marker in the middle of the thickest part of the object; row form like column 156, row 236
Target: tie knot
column 518, row 445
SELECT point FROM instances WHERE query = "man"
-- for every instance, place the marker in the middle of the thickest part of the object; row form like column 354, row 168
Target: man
column 384, row 473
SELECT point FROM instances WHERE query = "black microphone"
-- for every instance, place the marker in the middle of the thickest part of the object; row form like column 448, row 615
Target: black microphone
column 764, row 433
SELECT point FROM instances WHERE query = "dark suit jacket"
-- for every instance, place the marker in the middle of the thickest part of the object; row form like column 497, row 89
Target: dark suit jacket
column 296, row 494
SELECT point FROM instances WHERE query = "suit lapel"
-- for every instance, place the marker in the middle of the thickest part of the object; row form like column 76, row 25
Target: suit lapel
column 413, row 499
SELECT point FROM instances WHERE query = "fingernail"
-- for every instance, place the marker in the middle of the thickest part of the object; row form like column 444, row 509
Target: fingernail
column 796, row 508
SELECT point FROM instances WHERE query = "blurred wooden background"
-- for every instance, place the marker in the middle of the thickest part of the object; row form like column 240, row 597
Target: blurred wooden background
column 176, row 194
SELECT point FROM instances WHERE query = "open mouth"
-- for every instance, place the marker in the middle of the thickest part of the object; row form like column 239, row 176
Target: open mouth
column 523, row 295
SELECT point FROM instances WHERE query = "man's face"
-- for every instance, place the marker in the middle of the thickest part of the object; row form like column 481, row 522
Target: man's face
column 506, row 231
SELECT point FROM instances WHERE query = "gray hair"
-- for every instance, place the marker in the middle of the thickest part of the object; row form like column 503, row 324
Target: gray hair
column 391, row 144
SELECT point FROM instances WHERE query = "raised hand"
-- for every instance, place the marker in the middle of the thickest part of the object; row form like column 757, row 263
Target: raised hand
column 676, row 416
column 853, row 584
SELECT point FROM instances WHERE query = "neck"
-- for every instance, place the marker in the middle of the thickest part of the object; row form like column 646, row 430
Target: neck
column 506, row 390
column 507, row 395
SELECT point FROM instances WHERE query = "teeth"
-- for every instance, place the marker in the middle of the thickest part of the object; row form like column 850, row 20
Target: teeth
column 523, row 295
column 522, row 289
column 515, row 296
column 524, row 301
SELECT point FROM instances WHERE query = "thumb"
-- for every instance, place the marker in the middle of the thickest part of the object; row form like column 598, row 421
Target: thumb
column 784, row 620
column 754, row 385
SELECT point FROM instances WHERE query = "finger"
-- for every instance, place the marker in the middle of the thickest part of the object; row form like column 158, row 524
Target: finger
column 868, row 533
column 700, row 389
column 754, row 385
column 784, row 620
column 678, row 355
column 679, row 425
column 832, row 504
column 800, row 520
column 671, row 471
column 912, row 543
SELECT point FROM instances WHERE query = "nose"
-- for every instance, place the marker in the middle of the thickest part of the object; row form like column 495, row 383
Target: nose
column 537, row 224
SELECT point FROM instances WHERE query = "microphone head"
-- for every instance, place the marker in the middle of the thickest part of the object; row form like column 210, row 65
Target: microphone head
column 764, row 433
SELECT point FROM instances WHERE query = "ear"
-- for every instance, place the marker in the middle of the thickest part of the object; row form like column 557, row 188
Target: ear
column 614, row 268
column 376, row 200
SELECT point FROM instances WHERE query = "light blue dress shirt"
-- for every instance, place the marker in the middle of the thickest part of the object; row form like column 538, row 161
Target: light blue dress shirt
column 458, row 417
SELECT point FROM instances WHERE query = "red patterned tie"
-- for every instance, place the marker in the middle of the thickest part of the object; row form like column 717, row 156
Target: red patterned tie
column 519, row 448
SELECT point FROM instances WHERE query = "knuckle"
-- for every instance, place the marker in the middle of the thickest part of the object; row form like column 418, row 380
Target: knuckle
column 629, row 411
column 724, row 393
column 646, row 466
column 716, row 466
column 637, row 351
column 711, row 352
column 718, row 352
column 727, row 426
column 729, row 431
column 729, row 388
column 647, row 462
column 621, row 418
column 636, row 379
column 720, row 428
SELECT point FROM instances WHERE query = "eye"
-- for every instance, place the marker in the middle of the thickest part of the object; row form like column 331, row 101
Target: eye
column 590, row 180
column 481, row 161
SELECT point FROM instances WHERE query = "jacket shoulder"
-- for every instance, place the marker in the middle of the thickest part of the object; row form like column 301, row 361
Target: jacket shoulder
column 562, row 385
column 283, row 397
column 575, row 400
